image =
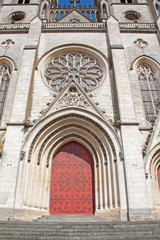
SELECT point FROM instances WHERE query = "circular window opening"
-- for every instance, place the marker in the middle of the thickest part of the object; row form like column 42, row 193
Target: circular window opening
column 17, row 16
column 132, row 15
column 80, row 67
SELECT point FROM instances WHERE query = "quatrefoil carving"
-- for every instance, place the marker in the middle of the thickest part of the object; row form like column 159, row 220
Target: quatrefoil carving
column 7, row 44
column 140, row 43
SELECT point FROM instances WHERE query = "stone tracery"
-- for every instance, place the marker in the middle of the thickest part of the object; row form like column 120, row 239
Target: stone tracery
column 149, row 90
column 82, row 68
column 5, row 75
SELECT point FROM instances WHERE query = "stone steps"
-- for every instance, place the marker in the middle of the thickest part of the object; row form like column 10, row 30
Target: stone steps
column 38, row 230
column 71, row 218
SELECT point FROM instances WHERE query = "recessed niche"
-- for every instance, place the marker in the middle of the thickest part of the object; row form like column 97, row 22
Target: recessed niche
column 132, row 15
column 17, row 16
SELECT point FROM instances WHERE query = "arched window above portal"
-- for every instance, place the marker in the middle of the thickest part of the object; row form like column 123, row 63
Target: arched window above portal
column 147, row 72
column 150, row 90
column 8, row 80
column 5, row 74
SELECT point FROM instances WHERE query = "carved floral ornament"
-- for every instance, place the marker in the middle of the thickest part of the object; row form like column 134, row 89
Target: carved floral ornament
column 82, row 68
column 72, row 98
column 74, row 20
column 140, row 43
column 7, row 44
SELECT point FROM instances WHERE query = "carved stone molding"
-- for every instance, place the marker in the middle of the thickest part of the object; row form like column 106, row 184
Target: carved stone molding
column 68, row 127
column 147, row 142
column 121, row 155
column 67, row 137
column 68, row 116
column 22, row 155
column 27, row 123
column 1, row 152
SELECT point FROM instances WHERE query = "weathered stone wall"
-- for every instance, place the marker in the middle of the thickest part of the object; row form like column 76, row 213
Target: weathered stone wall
column 118, row 97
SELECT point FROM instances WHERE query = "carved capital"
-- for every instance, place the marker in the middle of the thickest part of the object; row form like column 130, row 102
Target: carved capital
column 22, row 155
column 121, row 155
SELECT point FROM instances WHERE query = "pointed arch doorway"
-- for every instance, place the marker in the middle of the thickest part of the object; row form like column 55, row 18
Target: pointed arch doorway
column 72, row 181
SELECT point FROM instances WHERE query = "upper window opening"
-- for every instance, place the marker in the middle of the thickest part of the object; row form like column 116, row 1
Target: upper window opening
column 78, row 3
column 17, row 16
column 149, row 90
column 132, row 15
column 5, row 74
column 23, row 1
column 126, row 1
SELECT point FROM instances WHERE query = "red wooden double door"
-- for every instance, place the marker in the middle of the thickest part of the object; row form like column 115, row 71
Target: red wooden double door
column 72, row 181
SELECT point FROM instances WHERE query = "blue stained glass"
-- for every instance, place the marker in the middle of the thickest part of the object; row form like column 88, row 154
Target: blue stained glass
column 82, row 3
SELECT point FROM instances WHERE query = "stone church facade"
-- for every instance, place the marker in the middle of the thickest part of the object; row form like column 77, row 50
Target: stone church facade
column 79, row 109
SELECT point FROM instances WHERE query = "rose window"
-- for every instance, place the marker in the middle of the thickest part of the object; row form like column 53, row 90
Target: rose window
column 82, row 68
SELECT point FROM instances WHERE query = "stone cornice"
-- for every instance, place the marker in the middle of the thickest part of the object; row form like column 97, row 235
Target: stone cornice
column 30, row 4
column 67, row 27
column 23, row 28
column 137, row 27
column 79, row 27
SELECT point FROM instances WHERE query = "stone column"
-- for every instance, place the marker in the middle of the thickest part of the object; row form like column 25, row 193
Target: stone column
column 138, row 204
column 15, row 128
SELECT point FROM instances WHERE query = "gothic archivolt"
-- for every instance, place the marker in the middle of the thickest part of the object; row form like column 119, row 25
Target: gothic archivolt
column 152, row 175
column 73, row 125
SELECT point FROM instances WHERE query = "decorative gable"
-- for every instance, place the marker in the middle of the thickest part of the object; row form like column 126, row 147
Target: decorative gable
column 72, row 96
column 74, row 17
